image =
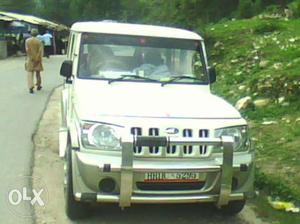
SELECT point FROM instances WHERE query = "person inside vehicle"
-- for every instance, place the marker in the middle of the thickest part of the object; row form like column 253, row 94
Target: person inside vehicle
column 153, row 65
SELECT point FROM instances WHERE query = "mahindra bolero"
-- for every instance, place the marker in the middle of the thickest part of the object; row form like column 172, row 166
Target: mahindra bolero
column 140, row 124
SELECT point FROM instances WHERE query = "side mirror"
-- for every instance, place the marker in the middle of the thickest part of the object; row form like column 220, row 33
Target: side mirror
column 66, row 69
column 212, row 73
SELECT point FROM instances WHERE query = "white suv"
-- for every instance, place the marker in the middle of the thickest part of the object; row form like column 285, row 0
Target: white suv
column 140, row 125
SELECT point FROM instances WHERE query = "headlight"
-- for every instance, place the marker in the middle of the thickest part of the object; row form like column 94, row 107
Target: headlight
column 101, row 136
column 239, row 134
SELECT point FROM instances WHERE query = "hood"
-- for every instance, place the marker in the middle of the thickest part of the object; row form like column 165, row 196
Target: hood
column 97, row 98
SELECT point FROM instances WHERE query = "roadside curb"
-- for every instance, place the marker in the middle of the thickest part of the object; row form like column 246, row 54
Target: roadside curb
column 32, row 157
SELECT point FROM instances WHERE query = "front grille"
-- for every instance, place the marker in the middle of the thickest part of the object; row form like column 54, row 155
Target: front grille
column 172, row 150
column 169, row 186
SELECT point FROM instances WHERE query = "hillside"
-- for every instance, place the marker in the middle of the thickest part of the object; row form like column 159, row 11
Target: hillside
column 259, row 58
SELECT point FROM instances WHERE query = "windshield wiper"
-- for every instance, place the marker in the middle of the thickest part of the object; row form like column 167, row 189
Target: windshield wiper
column 175, row 78
column 133, row 77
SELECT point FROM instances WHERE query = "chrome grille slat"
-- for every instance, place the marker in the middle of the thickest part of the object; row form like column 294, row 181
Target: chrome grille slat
column 203, row 133
column 154, row 132
column 176, row 151
column 137, row 131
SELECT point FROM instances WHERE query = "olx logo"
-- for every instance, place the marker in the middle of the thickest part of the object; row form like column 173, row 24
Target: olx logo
column 15, row 197
column 24, row 192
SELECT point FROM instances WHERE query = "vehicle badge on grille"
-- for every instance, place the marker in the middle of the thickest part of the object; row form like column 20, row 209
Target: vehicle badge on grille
column 172, row 131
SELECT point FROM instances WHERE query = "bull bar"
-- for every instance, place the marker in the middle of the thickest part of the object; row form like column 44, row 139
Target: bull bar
column 226, row 142
column 126, row 197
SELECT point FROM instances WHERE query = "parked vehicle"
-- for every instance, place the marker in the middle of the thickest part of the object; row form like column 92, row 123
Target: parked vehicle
column 140, row 125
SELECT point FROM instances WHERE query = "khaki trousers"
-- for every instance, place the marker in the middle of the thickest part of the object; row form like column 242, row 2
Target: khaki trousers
column 30, row 79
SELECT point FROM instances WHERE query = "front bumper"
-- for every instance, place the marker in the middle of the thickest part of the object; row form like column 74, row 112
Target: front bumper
column 94, row 197
column 218, row 174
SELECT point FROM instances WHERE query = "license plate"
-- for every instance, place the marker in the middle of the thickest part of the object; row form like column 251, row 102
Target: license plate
column 171, row 177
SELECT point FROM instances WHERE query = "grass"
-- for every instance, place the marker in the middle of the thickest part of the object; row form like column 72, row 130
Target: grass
column 265, row 212
column 261, row 58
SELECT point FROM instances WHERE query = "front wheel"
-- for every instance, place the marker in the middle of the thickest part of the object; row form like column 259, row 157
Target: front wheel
column 232, row 208
column 74, row 209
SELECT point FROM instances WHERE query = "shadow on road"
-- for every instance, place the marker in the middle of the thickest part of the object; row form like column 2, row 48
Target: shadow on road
column 189, row 213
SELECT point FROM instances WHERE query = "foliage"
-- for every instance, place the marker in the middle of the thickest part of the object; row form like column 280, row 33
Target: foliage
column 260, row 57
column 190, row 14
column 24, row 6
column 273, row 186
column 267, row 27
column 245, row 9
column 295, row 8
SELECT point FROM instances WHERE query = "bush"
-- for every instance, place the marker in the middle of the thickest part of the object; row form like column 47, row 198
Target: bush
column 245, row 9
column 273, row 9
column 275, row 87
column 258, row 7
column 266, row 27
column 295, row 8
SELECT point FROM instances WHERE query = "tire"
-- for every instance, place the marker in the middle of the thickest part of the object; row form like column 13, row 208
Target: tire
column 74, row 209
column 233, row 208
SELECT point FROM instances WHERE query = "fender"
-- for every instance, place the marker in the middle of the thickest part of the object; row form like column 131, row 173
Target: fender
column 65, row 135
column 63, row 130
column 63, row 105
column 68, row 130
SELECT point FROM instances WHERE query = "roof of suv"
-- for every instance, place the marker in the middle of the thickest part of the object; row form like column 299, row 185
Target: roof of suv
column 134, row 29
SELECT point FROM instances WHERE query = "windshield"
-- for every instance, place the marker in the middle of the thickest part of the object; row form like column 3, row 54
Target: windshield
column 114, row 57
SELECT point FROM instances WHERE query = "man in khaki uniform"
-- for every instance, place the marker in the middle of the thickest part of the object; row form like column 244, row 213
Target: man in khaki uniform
column 34, row 50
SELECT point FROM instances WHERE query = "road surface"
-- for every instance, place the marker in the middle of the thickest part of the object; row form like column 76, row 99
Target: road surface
column 20, row 113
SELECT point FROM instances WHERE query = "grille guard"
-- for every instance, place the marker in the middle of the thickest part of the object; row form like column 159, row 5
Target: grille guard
column 226, row 142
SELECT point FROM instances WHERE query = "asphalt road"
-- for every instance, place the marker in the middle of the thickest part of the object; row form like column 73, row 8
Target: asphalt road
column 20, row 113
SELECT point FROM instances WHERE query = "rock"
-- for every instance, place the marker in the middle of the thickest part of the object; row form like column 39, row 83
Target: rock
column 256, row 47
column 292, row 40
column 263, row 64
column 296, row 60
column 277, row 66
column 269, row 122
column 281, row 100
column 262, row 102
column 238, row 73
column 288, row 13
column 244, row 103
column 232, row 92
column 218, row 44
column 242, row 87
column 233, row 61
column 282, row 139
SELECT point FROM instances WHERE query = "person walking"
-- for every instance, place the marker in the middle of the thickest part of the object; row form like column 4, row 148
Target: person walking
column 47, row 37
column 34, row 50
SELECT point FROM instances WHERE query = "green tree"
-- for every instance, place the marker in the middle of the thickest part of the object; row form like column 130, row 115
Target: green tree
column 56, row 10
column 245, row 9
column 23, row 6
